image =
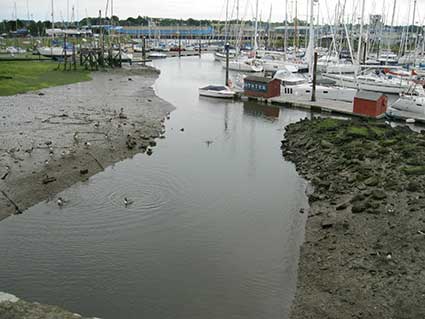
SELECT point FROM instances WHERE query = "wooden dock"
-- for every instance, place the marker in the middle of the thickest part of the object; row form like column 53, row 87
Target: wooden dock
column 340, row 108
column 328, row 106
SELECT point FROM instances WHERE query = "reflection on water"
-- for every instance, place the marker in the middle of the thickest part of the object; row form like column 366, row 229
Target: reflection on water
column 213, row 230
column 258, row 110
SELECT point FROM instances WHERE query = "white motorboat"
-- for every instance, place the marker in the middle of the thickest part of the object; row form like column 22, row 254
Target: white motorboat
column 54, row 52
column 125, row 56
column 217, row 91
column 139, row 49
column 221, row 56
column 248, row 65
column 157, row 55
column 15, row 50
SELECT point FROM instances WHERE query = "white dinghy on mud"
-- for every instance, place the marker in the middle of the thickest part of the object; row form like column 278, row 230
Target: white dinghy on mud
column 217, row 91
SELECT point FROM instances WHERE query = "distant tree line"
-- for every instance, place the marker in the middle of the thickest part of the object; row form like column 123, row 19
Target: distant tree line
column 37, row 28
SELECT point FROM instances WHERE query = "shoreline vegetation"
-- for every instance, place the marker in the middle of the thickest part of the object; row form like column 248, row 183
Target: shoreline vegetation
column 363, row 255
column 23, row 76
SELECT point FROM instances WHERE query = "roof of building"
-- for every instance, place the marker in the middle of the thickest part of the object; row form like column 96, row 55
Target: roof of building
column 370, row 96
column 261, row 79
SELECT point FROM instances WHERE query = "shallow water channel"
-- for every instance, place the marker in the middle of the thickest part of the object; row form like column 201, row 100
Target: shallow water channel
column 214, row 230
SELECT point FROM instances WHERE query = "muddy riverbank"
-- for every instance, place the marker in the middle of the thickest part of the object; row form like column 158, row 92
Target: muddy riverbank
column 363, row 255
column 56, row 137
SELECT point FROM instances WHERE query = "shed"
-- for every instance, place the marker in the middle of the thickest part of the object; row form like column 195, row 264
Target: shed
column 372, row 104
column 257, row 86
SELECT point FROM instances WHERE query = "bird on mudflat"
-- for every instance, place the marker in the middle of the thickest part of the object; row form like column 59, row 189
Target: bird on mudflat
column 60, row 201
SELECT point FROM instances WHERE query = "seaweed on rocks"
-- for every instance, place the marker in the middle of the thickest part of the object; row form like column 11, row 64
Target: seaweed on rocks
column 363, row 255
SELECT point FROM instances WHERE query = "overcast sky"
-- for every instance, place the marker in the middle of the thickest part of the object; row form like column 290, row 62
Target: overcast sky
column 209, row 9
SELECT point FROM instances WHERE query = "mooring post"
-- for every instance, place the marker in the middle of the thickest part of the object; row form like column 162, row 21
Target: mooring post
column 74, row 58
column 200, row 48
column 364, row 52
column 180, row 45
column 144, row 50
column 120, row 56
column 102, row 40
column 64, row 52
column 227, row 47
column 313, row 91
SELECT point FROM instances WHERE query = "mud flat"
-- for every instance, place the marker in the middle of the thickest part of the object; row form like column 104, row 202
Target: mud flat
column 56, row 137
column 364, row 251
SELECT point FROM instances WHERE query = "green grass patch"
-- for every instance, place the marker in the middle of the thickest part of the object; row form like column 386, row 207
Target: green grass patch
column 23, row 76
column 358, row 131
column 328, row 124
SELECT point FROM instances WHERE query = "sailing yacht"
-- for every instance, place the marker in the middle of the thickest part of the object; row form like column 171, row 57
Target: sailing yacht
column 244, row 65
column 221, row 55
column 370, row 82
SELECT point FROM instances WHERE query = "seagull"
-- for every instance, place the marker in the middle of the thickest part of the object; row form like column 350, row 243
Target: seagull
column 97, row 124
column 60, row 201
column 29, row 151
column 87, row 144
column 76, row 137
column 46, row 162
column 389, row 256
column 121, row 115
column 127, row 201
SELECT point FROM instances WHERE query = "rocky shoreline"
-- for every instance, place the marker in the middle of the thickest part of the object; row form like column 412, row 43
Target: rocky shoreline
column 364, row 254
column 54, row 138
column 12, row 307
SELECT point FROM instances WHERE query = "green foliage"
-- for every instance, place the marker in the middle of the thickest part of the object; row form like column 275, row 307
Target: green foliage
column 328, row 124
column 23, row 76
column 358, row 131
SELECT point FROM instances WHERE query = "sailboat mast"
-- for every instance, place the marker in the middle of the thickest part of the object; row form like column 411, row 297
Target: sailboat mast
column 413, row 18
column 53, row 17
column 359, row 50
column 268, row 26
column 307, row 21
column 256, row 27
column 296, row 27
column 28, row 11
column 16, row 17
column 311, row 41
column 237, row 12
column 67, row 13
column 392, row 21
column 225, row 23
column 285, row 40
